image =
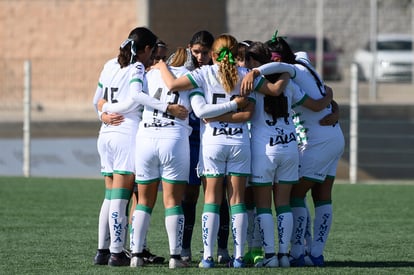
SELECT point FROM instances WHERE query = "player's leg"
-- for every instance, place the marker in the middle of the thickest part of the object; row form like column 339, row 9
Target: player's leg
column 103, row 254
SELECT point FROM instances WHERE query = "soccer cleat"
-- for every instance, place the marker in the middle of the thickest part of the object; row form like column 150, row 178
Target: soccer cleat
column 136, row 261
column 317, row 261
column 177, row 263
column 150, row 258
column 186, row 254
column 268, row 262
column 252, row 254
column 206, row 263
column 102, row 257
column 283, row 259
column 223, row 256
column 297, row 262
column 119, row 259
column 237, row 263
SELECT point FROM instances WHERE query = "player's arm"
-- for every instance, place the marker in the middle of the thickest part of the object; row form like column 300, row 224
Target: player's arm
column 173, row 83
column 235, row 117
column 204, row 110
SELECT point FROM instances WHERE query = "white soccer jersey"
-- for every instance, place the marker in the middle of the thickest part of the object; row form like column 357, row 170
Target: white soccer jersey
column 163, row 148
column 160, row 124
column 114, row 86
column 273, row 143
column 223, row 133
column 306, row 120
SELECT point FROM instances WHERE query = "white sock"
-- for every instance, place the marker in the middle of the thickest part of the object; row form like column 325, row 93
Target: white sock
column 284, row 229
column 238, row 228
column 104, row 236
column 210, row 222
column 298, row 233
column 118, row 224
column 174, row 224
column 140, row 223
column 267, row 230
column 322, row 226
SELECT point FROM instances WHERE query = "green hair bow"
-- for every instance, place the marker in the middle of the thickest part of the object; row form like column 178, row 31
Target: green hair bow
column 223, row 52
column 274, row 36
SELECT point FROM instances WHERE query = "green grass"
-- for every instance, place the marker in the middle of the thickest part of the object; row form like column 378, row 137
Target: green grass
column 49, row 226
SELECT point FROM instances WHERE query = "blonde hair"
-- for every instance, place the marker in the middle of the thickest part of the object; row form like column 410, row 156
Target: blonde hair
column 226, row 48
column 178, row 58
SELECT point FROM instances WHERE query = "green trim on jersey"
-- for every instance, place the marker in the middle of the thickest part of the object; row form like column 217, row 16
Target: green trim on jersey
column 106, row 174
column 100, row 85
column 135, row 80
column 260, row 84
column 144, row 208
column 263, row 211
column 211, row 208
column 196, row 92
column 238, row 208
column 297, row 202
column 314, row 180
column 269, row 183
column 174, row 211
column 238, row 174
column 121, row 172
column 174, row 181
column 283, row 209
column 213, row 175
column 120, row 194
column 192, row 81
column 147, row 181
column 292, row 77
column 107, row 194
column 288, row 181
column 320, row 203
column 330, row 177
column 300, row 102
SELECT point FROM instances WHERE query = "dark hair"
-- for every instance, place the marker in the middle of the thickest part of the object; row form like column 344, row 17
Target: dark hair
column 241, row 53
column 280, row 46
column 141, row 37
column 203, row 38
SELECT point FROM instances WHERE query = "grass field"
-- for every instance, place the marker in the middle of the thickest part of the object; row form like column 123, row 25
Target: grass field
column 49, row 226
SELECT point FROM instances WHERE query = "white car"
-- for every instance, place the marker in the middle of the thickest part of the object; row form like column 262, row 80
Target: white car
column 394, row 58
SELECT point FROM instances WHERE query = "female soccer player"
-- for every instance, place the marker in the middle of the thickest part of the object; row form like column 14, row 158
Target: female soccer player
column 119, row 78
column 225, row 146
column 275, row 158
column 321, row 144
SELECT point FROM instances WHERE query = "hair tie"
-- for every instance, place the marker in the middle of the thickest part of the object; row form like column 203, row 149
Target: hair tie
column 223, row 52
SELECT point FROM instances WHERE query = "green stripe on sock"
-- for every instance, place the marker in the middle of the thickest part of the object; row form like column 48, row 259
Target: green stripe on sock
column 263, row 211
column 144, row 208
column 283, row 209
column 297, row 202
column 320, row 203
column 120, row 193
column 238, row 208
column 211, row 208
column 175, row 210
column 108, row 194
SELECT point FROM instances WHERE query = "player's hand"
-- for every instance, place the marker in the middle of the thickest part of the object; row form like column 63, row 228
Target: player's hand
column 112, row 119
column 159, row 64
column 178, row 111
column 241, row 101
column 247, row 83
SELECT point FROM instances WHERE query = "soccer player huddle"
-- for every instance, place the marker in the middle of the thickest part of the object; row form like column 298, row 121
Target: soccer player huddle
column 251, row 122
